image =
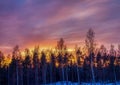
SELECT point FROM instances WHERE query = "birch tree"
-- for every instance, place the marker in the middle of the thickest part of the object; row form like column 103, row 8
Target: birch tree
column 90, row 44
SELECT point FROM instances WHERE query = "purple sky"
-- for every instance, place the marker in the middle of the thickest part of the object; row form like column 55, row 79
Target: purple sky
column 30, row 22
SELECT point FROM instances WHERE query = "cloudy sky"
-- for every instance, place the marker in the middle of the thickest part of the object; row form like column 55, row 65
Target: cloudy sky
column 31, row 22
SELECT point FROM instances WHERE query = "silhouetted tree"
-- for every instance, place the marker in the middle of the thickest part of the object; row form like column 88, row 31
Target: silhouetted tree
column 15, row 65
column 49, row 66
column 52, row 68
column 62, row 48
column 1, row 59
column 36, row 63
column 78, row 57
column 86, row 69
column 44, row 67
column 2, row 69
column 90, row 44
column 27, row 66
column 112, row 66
column 60, row 45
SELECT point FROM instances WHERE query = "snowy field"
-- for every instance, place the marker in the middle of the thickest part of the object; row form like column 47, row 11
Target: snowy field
column 70, row 83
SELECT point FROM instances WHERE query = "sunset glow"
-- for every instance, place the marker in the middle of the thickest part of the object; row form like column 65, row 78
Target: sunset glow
column 42, row 22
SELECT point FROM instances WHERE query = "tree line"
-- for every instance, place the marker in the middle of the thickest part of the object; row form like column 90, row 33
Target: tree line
column 48, row 66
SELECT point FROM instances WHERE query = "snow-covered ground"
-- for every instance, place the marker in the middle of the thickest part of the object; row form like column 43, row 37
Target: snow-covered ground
column 70, row 83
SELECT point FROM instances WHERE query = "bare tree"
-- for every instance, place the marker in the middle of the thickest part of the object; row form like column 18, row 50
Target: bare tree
column 60, row 45
column 90, row 44
column 27, row 64
column 44, row 67
column 112, row 60
column 36, row 63
column 78, row 56
column 16, row 57
column 112, row 51
column 103, row 50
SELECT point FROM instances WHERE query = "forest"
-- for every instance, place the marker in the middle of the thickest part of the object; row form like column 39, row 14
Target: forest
column 42, row 67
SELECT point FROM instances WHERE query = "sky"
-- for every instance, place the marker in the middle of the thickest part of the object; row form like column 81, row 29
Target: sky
column 43, row 22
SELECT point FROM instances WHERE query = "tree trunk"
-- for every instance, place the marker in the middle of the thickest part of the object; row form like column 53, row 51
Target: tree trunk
column 17, row 75
column 51, row 75
column 21, row 75
column 44, row 74
column 92, row 70
column 114, row 74
column 36, row 75
column 78, row 75
column 63, row 73
column 27, row 76
column 67, row 74
column 8, row 76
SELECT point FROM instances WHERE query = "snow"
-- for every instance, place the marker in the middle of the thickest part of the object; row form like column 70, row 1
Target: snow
column 70, row 83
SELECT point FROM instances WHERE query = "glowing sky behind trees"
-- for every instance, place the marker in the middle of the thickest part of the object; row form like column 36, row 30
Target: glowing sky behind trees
column 31, row 22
